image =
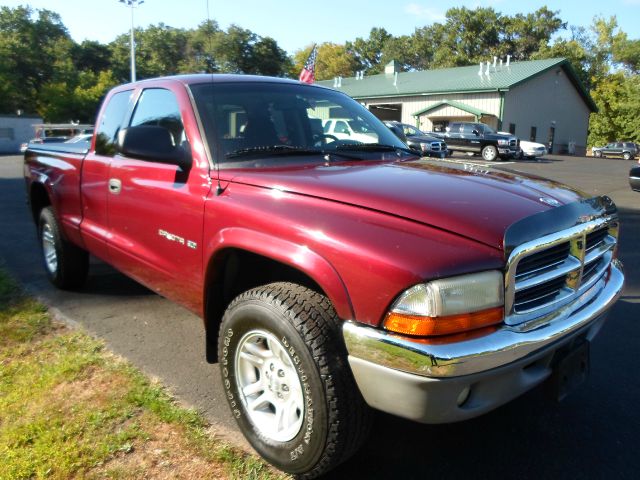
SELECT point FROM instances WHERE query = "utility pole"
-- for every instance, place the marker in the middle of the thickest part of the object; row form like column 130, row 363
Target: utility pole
column 132, row 4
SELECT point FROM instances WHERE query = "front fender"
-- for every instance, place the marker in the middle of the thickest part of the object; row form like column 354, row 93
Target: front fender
column 297, row 256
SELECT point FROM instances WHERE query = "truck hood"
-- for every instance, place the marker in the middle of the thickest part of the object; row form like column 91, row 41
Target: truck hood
column 476, row 203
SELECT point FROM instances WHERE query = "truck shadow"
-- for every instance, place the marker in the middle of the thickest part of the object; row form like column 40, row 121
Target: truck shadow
column 105, row 280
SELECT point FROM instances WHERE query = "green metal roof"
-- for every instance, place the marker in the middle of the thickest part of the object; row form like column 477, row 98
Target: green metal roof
column 452, row 103
column 456, row 80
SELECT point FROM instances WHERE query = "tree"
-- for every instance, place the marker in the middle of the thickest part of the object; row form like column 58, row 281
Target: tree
column 33, row 47
column 160, row 49
column 524, row 35
column 368, row 51
column 91, row 55
column 333, row 60
column 467, row 37
column 618, row 118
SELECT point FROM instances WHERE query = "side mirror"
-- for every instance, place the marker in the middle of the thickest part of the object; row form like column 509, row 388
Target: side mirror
column 475, row 132
column 154, row 143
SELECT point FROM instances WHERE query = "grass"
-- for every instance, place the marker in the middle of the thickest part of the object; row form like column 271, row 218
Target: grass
column 71, row 409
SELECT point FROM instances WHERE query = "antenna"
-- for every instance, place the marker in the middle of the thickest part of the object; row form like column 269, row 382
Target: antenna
column 216, row 163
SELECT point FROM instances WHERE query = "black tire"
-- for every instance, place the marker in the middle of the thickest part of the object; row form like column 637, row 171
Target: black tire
column 597, row 154
column 626, row 156
column 489, row 153
column 334, row 420
column 66, row 265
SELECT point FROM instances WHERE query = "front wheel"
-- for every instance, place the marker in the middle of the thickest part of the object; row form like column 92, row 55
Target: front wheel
column 287, row 381
column 597, row 154
column 66, row 265
column 626, row 156
column 489, row 153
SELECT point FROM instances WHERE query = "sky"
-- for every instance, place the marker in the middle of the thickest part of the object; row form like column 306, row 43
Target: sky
column 296, row 24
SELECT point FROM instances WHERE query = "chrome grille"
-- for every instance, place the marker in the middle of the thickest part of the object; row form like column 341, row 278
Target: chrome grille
column 513, row 143
column 550, row 272
column 437, row 146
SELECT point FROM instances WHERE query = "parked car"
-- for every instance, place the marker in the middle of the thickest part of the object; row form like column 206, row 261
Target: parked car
column 331, row 275
column 532, row 149
column 423, row 143
column 478, row 138
column 350, row 129
column 634, row 178
column 626, row 150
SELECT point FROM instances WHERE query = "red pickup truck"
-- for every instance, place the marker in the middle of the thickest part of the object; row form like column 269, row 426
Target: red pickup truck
column 332, row 275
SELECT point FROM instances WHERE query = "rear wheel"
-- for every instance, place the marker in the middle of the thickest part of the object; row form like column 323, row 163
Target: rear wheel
column 626, row 156
column 66, row 265
column 489, row 153
column 287, row 381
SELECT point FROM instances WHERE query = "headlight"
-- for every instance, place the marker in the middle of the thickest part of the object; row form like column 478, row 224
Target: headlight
column 503, row 142
column 425, row 147
column 449, row 305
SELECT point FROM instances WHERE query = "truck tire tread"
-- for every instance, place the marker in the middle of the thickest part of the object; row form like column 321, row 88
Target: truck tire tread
column 315, row 320
column 72, row 261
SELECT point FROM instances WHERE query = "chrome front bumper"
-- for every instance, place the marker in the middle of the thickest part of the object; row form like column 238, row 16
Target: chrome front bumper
column 423, row 381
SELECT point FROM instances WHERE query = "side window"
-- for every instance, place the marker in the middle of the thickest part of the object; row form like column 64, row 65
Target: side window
column 341, row 127
column 111, row 122
column 455, row 128
column 468, row 128
column 159, row 107
column 409, row 130
column 326, row 126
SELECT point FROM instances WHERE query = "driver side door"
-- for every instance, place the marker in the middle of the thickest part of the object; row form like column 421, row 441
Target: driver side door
column 156, row 209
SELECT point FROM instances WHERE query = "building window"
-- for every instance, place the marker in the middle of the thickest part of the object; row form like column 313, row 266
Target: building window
column 512, row 128
column 534, row 132
column 7, row 133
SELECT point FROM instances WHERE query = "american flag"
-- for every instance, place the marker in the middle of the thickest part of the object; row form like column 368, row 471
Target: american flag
column 308, row 73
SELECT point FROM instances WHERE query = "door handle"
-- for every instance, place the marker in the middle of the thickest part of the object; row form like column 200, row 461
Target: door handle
column 115, row 186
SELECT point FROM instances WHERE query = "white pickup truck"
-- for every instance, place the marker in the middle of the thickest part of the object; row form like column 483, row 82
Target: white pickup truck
column 349, row 129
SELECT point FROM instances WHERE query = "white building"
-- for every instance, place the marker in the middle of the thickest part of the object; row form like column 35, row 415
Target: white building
column 16, row 129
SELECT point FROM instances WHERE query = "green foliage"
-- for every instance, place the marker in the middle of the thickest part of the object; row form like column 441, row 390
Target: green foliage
column 333, row 60
column 618, row 118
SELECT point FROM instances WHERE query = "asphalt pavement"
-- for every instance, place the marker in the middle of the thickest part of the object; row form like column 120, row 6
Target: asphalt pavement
column 593, row 434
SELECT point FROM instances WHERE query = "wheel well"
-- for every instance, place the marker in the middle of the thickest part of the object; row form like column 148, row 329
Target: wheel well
column 234, row 271
column 38, row 199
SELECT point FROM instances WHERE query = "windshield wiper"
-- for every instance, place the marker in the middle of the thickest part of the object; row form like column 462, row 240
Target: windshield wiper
column 373, row 147
column 273, row 150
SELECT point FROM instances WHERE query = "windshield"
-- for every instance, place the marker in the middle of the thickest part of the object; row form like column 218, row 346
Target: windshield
column 249, row 118
column 488, row 129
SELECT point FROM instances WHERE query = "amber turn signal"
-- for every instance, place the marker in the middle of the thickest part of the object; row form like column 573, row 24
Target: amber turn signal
column 431, row 326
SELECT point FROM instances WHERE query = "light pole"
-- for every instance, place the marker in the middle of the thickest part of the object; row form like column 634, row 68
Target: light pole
column 132, row 4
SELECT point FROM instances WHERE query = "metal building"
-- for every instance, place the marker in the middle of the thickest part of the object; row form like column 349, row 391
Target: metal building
column 538, row 100
column 14, row 130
